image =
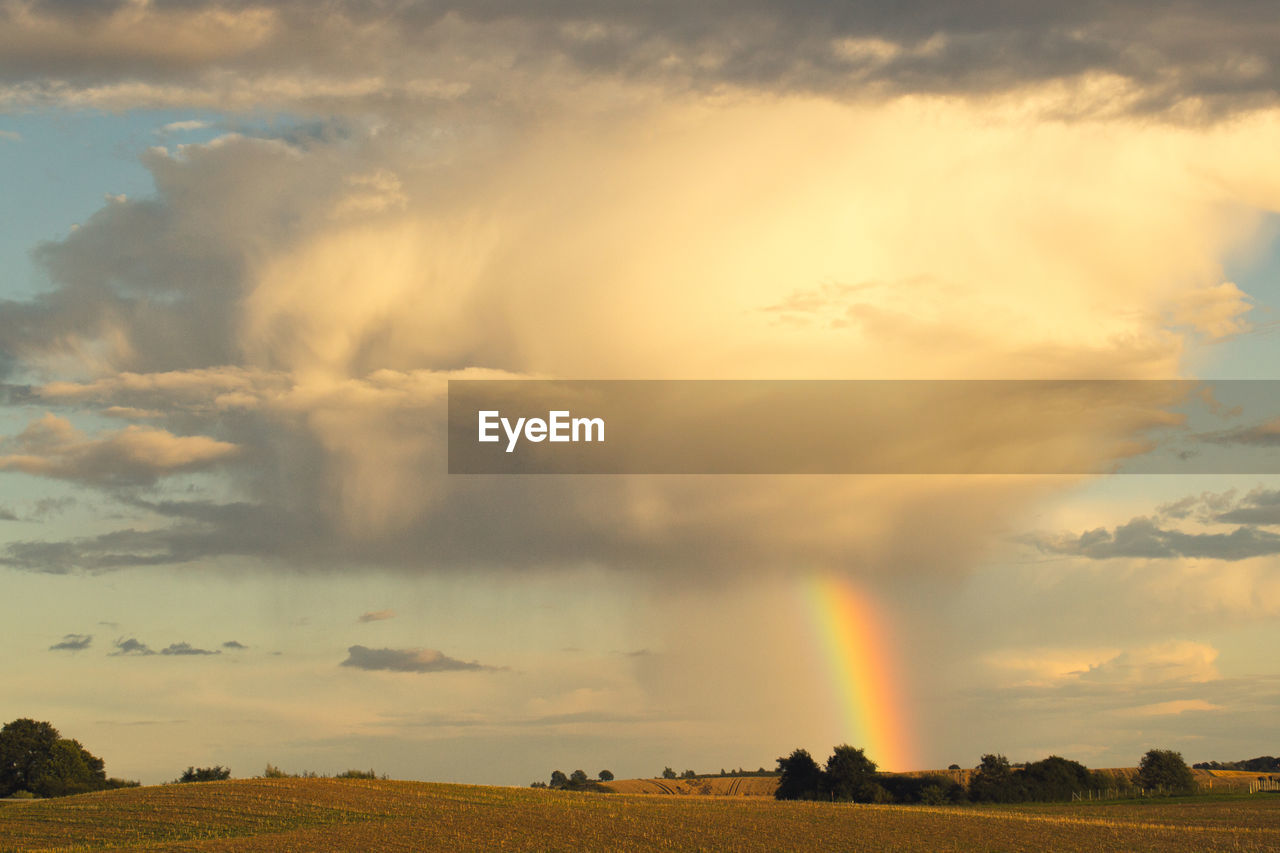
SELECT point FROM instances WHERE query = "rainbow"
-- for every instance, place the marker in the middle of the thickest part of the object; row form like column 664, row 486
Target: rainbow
column 859, row 653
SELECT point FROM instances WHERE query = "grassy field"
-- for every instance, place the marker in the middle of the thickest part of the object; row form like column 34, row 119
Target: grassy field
column 331, row 814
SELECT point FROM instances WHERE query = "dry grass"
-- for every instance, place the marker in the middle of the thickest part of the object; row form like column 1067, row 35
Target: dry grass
column 339, row 815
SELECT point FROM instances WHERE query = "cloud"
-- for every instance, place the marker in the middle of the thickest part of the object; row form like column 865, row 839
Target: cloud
column 407, row 660
column 49, row 507
column 131, row 646
column 53, row 447
column 1216, row 311
column 182, row 126
column 1171, row 708
column 1172, row 661
column 376, row 616
column 234, row 645
column 10, row 136
column 1266, row 434
column 223, row 308
column 1141, row 57
column 72, row 643
column 184, row 649
column 1144, row 538
column 7, row 514
column 1260, row 506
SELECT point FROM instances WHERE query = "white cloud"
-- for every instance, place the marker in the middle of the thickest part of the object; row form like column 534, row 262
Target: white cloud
column 183, row 126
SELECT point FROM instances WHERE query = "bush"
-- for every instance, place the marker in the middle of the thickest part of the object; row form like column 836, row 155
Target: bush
column 1055, row 778
column 22, row 795
column 931, row 790
column 357, row 774
column 994, row 781
column 217, row 773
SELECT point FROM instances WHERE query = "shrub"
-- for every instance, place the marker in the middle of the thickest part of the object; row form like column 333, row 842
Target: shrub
column 216, row 773
column 357, row 774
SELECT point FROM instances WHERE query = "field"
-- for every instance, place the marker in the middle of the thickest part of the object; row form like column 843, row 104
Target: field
column 710, row 786
column 333, row 815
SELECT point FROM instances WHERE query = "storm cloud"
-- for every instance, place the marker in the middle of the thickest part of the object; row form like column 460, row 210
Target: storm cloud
column 407, row 660
column 1141, row 57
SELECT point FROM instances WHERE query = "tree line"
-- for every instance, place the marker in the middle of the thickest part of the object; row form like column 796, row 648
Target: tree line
column 1261, row 764
column 850, row 776
column 578, row 780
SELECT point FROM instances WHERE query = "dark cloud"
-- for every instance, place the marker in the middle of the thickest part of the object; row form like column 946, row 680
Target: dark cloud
column 131, row 646
column 205, row 529
column 376, row 616
column 1260, row 506
column 7, row 514
column 1145, row 538
column 1222, row 53
column 407, row 660
column 72, row 643
column 186, row 649
column 234, row 644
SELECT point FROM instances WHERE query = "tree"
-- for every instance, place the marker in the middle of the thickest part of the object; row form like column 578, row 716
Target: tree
column 850, row 775
column 25, row 748
column 35, row 758
column 558, row 779
column 668, row 773
column 1164, row 770
column 216, row 773
column 688, row 774
column 606, row 776
column 578, row 778
column 1055, row 778
column 994, row 781
column 802, row 778
column 953, row 766
column 71, row 769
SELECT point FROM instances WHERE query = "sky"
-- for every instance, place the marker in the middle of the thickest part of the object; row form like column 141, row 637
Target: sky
column 244, row 246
